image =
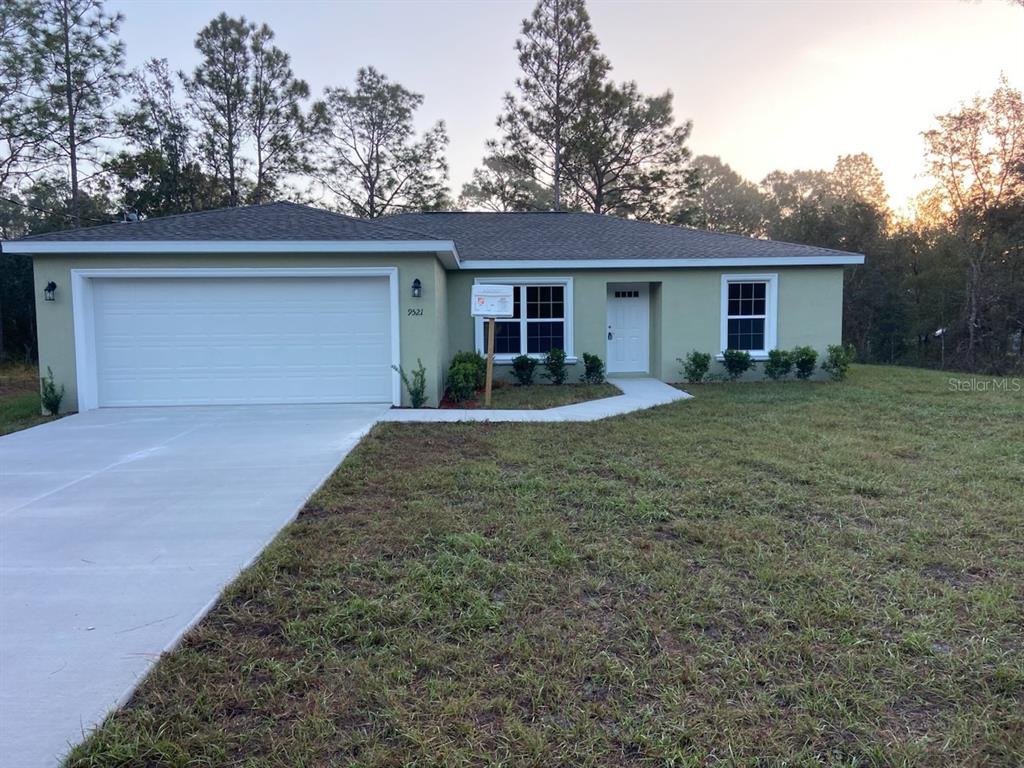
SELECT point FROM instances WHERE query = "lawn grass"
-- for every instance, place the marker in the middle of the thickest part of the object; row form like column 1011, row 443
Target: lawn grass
column 19, row 398
column 769, row 574
column 534, row 396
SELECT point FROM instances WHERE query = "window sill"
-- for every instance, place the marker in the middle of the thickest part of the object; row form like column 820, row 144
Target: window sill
column 756, row 356
column 507, row 359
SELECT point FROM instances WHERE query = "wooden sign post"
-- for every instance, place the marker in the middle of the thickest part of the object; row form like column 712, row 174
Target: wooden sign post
column 490, row 302
column 490, row 362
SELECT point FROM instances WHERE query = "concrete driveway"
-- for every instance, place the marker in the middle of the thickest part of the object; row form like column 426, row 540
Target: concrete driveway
column 118, row 530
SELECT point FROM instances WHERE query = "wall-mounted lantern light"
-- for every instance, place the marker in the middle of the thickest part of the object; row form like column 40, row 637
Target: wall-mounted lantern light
column 49, row 290
column 417, row 288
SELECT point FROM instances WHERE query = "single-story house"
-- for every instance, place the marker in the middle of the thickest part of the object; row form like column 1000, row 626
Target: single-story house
column 285, row 303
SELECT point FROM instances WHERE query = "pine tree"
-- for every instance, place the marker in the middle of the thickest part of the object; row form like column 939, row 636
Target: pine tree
column 275, row 117
column 22, row 130
column 502, row 186
column 219, row 90
column 80, row 62
column 558, row 54
column 158, row 173
column 370, row 157
column 625, row 155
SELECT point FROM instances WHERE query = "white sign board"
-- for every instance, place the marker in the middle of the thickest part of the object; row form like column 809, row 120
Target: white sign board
column 492, row 301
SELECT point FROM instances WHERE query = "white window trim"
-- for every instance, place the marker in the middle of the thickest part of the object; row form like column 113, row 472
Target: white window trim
column 84, row 324
column 566, row 282
column 771, row 322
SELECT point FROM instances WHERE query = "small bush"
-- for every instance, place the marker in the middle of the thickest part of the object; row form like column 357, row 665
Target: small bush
column 804, row 360
column 417, row 385
column 779, row 364
column 736, row 362
column 523, row 368
column 593, row 369
column 695, row 366
column 554, row 363
column 478, row 363
column 462, row 378
column 50, row 395
column 838, row 360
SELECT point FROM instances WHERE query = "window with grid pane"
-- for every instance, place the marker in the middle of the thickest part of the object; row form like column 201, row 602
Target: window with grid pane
column 545, row 318
column 508, row 333
column 747, row 314
column 538, row 324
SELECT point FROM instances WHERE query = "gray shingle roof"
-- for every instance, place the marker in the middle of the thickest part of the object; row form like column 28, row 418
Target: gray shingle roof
column 270, row 221
column 547, row 235
column 478, row 236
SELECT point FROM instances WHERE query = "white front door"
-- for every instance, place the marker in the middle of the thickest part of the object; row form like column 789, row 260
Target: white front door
column 628, row 328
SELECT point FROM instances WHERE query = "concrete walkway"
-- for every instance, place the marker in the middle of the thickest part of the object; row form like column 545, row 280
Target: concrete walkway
column 637, row 394
column 119, row 528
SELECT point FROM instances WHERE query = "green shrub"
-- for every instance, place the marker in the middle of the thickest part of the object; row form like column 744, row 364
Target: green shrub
column 695, row 366
column 838, row 360
column 50, row 395
column 523, row 368
column 557, row 371
column 462, row 381
column 478, row 363
column 779, row 364
column 593, row 369
column 417, row 386
column 736, row 362
column 804, row 359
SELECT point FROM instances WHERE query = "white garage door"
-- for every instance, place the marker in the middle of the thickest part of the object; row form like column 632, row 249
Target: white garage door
column 198, row 341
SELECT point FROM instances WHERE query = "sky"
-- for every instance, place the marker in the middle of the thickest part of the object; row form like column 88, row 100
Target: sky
column 768, row 85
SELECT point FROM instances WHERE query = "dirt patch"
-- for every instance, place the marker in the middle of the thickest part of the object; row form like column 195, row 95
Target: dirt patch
column 955, row 577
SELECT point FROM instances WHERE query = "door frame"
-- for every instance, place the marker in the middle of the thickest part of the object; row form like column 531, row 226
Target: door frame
column 85, row 326
column 645, row 294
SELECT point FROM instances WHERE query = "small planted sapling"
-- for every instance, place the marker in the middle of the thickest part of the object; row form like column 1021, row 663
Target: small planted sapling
column 523, row 368
column 736, row 362
column 779, row 364
column 416, row 385
column 593, row 369
column 837, row 362
column 462, row 381
column 50, row 395
column 554, row 363
column 695, row 366
column 804, row 360
column 474, row 360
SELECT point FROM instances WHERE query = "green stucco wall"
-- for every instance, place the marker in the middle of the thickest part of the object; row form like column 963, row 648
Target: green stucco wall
column 421, row 336
column 685, row 309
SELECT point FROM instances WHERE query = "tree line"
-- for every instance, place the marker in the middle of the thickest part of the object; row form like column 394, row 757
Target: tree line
column 83, row 141
column 942, row 287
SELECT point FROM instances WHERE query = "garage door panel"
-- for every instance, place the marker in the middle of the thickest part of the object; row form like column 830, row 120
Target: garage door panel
column 188, row 341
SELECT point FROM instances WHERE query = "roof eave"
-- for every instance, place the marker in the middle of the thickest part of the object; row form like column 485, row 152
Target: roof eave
column 830, row 260
column 444, row 249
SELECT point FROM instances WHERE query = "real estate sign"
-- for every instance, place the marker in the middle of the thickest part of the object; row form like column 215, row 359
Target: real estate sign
column 492, row 301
